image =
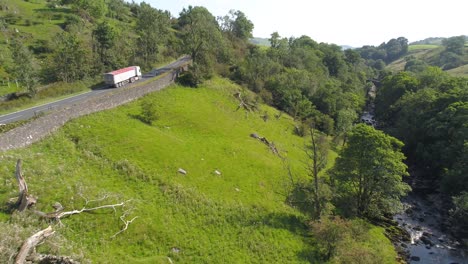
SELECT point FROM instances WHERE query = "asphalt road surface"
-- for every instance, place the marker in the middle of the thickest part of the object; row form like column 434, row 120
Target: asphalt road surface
column 45, row 108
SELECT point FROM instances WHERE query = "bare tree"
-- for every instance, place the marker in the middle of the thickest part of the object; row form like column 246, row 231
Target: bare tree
column 317, row 153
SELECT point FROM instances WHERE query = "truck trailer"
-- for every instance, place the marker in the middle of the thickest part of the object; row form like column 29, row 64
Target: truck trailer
column 123, row 76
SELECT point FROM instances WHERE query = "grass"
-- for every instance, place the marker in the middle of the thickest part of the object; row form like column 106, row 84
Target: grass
column 34, row 22
column 461, row 71
column 422, row 47
column 5, row 89
column 239, row 216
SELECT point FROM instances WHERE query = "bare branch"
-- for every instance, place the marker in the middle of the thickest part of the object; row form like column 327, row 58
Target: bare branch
column 126, row 223
column 85, row 210
column 31, row 243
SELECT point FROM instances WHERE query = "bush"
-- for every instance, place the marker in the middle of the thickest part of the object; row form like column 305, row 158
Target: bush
column 189, row 79
column 459, row 215
column 148, row 112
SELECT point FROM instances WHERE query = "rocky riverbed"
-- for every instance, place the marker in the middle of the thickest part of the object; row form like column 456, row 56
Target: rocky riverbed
column 425, row 224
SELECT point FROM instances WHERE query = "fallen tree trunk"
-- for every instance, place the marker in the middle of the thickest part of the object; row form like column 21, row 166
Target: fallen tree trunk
column 31, row 243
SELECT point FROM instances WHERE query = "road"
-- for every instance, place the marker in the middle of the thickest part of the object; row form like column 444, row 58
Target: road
column 45, row 108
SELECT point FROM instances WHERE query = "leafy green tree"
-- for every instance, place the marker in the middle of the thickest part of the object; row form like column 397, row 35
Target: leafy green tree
column 415, row 65
column 88, row 9
column 329, row 233
column 200, row 36
column 237, row 25
column 70, row 61
column 455, row 45
column 344, row 122
column 118, row 9
column 369, row 172
column 148, row 111
column 459, row 214
column 352, row 57
column 23, row 69
column 153, row 30
column 455, row 178
column 257, row 68
column 104, row 36
column 393, row 88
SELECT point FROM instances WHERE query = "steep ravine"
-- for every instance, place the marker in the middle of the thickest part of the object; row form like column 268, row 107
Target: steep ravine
column 423, row 220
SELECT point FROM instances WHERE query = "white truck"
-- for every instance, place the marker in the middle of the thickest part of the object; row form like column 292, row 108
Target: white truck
column 123, row 76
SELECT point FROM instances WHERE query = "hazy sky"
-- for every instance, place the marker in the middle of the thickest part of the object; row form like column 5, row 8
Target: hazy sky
column 343, row 22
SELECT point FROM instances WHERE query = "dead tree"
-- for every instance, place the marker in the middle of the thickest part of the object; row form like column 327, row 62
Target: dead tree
column 317, row 153
column 24, row 200
column 245, row 102
column 31, row 244
column 271, row 145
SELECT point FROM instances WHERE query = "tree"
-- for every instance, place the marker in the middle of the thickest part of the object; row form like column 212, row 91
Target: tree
column 201, row 38
column 455, row 45
column 104, row 36
column 459, row 214
column 237, row 25
column 393, row 88
column 148, row 112
column 318, row 154
column 344, row 122
column 369, row 172
column 70, row 60
column 23, row 69
column 88, row 9
column 153, row 30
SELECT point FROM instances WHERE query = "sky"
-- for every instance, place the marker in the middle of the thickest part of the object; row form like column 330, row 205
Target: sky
column 343, row 22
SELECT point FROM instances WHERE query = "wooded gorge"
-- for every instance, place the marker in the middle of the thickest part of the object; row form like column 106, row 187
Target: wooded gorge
column 325, row 187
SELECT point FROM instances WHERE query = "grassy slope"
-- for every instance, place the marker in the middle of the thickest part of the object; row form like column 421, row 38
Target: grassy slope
column 426, row 53
column 236, row 217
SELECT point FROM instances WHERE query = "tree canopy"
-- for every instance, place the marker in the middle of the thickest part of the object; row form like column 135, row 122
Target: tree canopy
column 369, row 172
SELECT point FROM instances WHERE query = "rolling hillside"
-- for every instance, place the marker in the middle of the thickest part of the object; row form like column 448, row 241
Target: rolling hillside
column 230, row 206
column 430, row 54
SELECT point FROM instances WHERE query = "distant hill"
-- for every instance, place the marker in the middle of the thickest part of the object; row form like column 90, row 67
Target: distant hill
column 429, row 54
column 430, row 41
column 345, row 47
column 260, row 41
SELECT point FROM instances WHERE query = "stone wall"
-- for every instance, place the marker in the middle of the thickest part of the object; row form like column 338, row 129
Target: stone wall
column 45, row 125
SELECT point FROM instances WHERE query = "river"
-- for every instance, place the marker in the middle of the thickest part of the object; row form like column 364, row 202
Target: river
column 423, row 220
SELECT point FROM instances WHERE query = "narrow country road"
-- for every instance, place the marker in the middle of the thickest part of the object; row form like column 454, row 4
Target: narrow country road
column 75, row 100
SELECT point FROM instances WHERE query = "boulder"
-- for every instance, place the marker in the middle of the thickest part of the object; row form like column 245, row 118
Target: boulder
column 415, row 258
column 426, row 241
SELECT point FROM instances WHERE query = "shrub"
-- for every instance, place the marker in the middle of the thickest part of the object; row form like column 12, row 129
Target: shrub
column 148, row 112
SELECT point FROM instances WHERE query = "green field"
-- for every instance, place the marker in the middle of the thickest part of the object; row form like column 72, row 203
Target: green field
column 461, row 71
column 422, row 47
column 239, row 216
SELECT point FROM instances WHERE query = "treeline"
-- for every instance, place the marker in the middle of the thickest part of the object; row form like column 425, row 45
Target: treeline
column 96, row 36
column 378, row 57
column 428, row 111
column 310, row 81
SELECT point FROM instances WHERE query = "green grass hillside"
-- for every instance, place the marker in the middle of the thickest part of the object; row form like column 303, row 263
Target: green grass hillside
column 239, row 216
column 429, row 54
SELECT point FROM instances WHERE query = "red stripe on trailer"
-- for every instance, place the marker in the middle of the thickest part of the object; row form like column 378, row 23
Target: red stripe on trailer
column 132, row 68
